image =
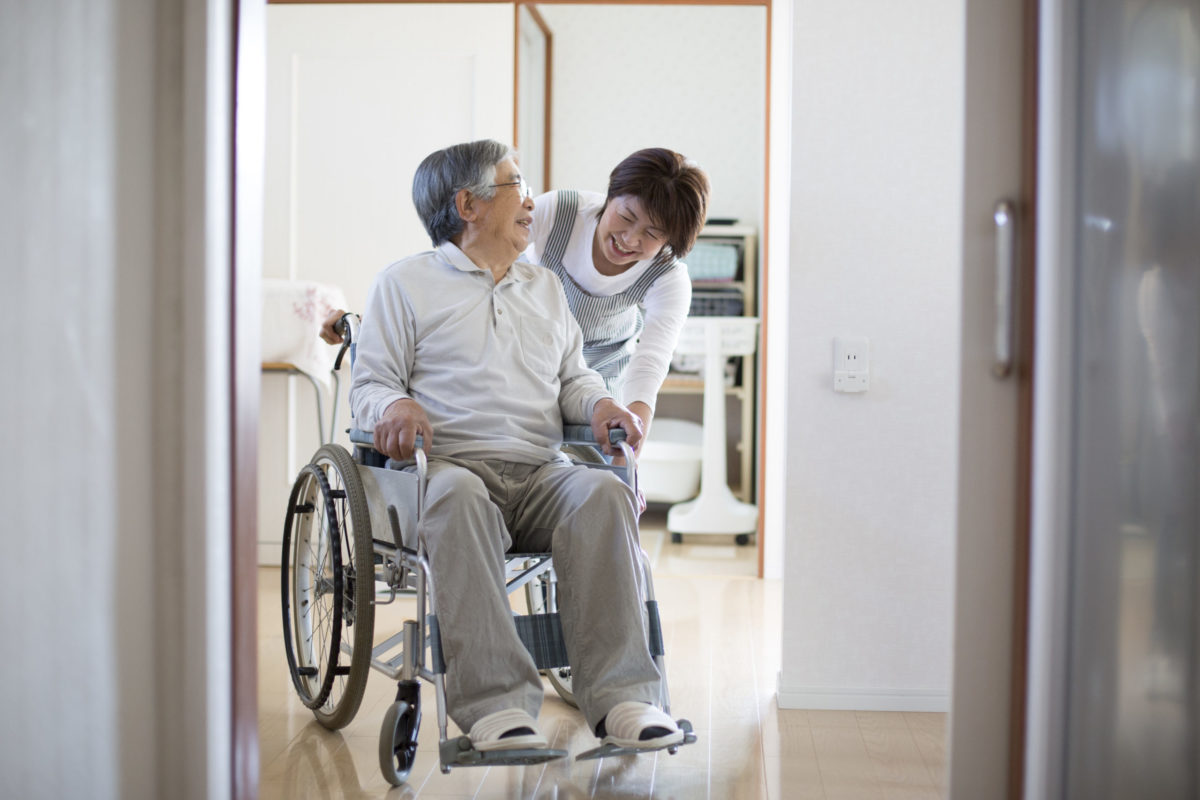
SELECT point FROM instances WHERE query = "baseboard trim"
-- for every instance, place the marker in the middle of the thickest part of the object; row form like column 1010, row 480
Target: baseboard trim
column 840, row 698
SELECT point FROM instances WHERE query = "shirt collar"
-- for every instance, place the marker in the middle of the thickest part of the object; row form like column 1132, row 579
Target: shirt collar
column 521, row 270
column 518, row 272
column 457, row 258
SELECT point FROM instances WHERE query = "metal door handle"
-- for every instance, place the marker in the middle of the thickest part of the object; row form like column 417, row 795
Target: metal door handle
column 1006, row 273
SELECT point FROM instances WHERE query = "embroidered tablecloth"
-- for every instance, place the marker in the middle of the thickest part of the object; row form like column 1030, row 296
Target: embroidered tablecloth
column 291, row 323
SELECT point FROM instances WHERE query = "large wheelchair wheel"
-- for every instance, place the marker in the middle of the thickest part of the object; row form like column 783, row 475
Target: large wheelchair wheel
column 328, row 587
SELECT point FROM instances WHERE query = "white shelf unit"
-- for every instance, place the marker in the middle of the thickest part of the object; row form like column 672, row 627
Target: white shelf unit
column 741, row 394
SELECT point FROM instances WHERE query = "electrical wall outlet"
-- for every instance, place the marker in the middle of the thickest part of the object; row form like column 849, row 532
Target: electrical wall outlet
column 851, row 381
column 851, row 364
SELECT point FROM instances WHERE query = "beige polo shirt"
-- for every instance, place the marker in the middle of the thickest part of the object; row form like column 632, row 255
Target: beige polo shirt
column 497, row 367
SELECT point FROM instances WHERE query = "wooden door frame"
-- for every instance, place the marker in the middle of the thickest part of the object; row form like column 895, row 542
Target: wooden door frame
column 248, row 18
column 976, row 738
column 538, row 20
column 1026, row 280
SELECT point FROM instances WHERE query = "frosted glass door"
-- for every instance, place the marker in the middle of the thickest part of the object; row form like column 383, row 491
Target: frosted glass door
column 1131, row 686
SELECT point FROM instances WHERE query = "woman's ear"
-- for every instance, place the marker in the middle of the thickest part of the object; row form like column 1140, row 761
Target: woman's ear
column 464, row 201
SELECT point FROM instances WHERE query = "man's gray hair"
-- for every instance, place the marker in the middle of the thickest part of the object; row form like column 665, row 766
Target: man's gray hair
column 470, row 166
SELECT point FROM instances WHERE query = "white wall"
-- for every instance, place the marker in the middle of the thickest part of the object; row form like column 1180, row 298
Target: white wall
column 875, row 238
column 114, row 212
column 692, row 79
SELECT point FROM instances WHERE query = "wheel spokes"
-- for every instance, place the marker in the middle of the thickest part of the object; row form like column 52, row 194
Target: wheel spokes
column 313, row 593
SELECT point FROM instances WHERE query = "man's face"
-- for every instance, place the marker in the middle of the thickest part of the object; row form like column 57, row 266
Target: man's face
column 507, row 216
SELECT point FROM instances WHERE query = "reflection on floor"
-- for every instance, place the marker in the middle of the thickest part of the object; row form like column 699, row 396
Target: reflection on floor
column 721, row 630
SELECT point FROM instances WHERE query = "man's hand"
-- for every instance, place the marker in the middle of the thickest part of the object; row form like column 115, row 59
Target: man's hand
column 402, row 422
column 608, row 415
column 328, row 334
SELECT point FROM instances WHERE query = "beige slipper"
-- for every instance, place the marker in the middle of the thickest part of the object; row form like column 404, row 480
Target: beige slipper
column 510, row 729
column 640, row 725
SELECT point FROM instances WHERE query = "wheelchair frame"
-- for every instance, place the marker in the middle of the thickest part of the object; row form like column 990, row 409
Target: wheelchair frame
column 337, row 506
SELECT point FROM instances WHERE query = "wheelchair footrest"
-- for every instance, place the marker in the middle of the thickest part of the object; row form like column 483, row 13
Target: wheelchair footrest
column 458, row 752
column 610, row 750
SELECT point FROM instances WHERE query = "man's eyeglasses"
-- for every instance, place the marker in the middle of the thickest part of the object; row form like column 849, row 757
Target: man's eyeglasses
column 524, row 188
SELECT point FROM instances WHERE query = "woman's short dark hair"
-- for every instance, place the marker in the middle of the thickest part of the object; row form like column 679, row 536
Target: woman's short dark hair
column 470, row 166
column 673, row 188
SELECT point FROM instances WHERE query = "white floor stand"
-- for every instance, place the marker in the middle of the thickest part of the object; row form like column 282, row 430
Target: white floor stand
column 715, row 510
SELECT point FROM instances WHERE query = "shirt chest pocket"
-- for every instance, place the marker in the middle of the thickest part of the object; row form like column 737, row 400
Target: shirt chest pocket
column 541, row 346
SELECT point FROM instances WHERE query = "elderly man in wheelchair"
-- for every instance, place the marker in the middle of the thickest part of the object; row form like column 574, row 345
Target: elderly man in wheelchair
column 467, row 365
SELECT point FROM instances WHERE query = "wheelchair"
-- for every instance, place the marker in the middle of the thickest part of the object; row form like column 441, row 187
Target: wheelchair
column 350, row 543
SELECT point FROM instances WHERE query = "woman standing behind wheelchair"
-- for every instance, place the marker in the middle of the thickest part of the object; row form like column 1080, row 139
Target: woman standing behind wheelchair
column 618, row 257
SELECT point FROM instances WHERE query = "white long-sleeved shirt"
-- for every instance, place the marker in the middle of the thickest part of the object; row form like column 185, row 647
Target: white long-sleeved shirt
column 665, row 305
column 497, row 367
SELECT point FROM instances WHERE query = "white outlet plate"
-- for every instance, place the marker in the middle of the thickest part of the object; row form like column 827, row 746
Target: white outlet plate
column 851, row 381
column 851, row 364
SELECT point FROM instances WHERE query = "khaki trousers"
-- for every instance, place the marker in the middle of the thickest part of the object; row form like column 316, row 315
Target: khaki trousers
column 475, row 512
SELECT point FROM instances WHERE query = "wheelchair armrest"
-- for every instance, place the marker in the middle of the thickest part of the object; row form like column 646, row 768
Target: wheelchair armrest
column 582, row 434
column 366, row 439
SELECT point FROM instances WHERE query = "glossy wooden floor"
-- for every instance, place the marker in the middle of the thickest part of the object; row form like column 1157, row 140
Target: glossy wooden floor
column 721, row 629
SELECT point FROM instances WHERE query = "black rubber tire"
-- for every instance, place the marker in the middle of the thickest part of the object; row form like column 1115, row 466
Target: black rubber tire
column 742, row 539
column 676, row 538
column 358, row 584
column 398, row 736
column 311, row 584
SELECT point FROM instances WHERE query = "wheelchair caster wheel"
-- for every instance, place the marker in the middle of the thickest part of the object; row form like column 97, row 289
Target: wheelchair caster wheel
column 398, row 738
column 742, row 539
column 560, row 679
column 676, row 538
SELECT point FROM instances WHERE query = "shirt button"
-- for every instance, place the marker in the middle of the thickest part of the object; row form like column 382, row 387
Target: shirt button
column 500, row 311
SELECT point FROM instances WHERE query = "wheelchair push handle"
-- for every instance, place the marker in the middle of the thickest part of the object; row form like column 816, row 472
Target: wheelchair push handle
column 347, row 328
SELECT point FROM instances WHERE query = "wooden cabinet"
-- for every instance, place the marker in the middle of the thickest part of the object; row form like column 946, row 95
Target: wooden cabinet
column 721, row 287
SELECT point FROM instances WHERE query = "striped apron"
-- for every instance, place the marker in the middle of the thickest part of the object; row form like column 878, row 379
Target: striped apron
column 610, row 324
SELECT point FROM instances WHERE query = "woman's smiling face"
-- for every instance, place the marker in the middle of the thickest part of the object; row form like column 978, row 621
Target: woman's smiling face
column 626, row 234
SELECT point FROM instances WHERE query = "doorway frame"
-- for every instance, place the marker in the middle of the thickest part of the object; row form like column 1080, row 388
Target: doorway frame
column 248, row 21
